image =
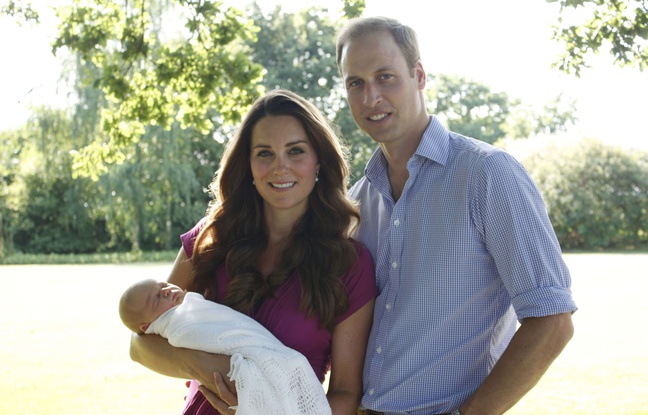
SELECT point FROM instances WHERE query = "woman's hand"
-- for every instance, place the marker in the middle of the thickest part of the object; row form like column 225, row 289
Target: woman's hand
column 224, row 400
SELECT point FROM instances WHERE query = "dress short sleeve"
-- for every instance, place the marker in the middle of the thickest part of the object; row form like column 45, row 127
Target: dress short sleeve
column 189, row 238
column 360, row 282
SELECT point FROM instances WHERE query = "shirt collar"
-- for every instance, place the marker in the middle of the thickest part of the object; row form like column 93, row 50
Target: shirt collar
column 434, row 145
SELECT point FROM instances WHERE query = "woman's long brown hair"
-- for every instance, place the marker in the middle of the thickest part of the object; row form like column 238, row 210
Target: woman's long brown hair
column 235, row 232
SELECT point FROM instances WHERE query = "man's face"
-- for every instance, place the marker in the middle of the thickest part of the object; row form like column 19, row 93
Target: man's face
column 384, row 94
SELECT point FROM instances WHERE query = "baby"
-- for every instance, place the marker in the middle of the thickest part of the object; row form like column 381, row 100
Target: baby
column 145, row 301
column 270, row 377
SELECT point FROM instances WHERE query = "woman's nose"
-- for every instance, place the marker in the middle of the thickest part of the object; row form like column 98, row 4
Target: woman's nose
column 280, row 165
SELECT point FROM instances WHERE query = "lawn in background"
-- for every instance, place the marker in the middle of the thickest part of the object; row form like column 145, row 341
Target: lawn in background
column 64, row 351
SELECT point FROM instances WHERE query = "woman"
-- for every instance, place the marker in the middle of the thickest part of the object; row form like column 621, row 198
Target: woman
column 274, row 246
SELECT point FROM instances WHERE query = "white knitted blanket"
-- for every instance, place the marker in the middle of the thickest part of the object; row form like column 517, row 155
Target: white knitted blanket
column 271, row 379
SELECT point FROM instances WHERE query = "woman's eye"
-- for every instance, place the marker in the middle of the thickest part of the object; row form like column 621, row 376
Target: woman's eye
column 296, row 150
column 263, row 153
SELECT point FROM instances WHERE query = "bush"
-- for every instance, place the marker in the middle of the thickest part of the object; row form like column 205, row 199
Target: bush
column 596, row 194
column 55, row 217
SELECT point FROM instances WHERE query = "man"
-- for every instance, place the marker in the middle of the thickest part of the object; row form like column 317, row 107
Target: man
column 462, row 243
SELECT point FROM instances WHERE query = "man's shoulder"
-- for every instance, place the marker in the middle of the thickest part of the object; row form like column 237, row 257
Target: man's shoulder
column 459, row 142
column 471, row 150
column 358, row 188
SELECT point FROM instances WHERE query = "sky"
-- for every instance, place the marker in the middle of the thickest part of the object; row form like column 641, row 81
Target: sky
column 503, row 44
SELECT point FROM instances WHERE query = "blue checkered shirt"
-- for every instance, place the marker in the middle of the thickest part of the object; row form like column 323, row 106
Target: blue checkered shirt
column 466, row 251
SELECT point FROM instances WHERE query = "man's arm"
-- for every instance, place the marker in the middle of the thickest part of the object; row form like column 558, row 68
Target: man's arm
column 533, row 348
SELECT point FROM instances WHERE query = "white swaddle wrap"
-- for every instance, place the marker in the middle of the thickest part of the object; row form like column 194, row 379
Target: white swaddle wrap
column 271, row 379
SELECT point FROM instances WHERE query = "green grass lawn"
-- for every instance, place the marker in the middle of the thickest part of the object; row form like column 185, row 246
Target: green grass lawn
column 65, row 352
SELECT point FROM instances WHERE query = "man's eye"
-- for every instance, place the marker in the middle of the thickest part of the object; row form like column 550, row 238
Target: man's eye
column 355, row 83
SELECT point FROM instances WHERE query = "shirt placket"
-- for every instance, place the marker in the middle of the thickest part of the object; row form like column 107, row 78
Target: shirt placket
column 394, row 251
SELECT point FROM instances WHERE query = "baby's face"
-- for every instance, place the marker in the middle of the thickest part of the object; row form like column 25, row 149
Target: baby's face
column 157, row 297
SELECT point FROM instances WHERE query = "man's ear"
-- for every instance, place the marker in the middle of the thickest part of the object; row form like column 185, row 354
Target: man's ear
column 144, row 327
column 421, row 76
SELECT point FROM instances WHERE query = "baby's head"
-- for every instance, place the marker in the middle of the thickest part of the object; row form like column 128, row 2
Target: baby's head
column 147, row 300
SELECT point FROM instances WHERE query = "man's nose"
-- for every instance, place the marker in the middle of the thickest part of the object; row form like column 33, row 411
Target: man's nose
column 372, row 95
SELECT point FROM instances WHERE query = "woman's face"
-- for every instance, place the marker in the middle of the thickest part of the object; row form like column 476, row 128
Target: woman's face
column 284, row 165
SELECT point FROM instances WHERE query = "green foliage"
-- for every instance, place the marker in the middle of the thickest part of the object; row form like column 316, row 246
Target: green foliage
column 150, row 81
column 55, row 218
column 473, row 109
column 156, row 193
column 142, row 203
column 596, row 194
column 297, row 51
column 125, row 168
column 20, row 12
column 524, row 121
column 621, row 25
column 470, row 108
column 353, row 8
column 11, row 146
column 44, row 208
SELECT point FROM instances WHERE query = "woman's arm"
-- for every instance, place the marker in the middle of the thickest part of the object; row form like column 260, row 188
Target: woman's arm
column 155, row 353
column 182, row 269
column 349, row 344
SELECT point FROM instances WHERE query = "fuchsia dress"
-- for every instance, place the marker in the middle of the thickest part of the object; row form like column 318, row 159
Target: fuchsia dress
column 281, row 316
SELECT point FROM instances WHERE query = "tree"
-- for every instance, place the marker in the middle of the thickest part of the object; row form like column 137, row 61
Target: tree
column 20, row 12
column 297, row 51
column 473, row 109
column 621, row 25
column 469, row 108
column 44, row 209
column 11, row 147
column 524, row 121
column 155, row 78
column 155, row 190
column 596, row 194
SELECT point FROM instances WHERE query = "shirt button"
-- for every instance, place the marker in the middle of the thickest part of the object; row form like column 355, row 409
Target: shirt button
column 371, row 391
column 397, row 223
column 379, row 350
column 388, row 307
column 394, row 264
